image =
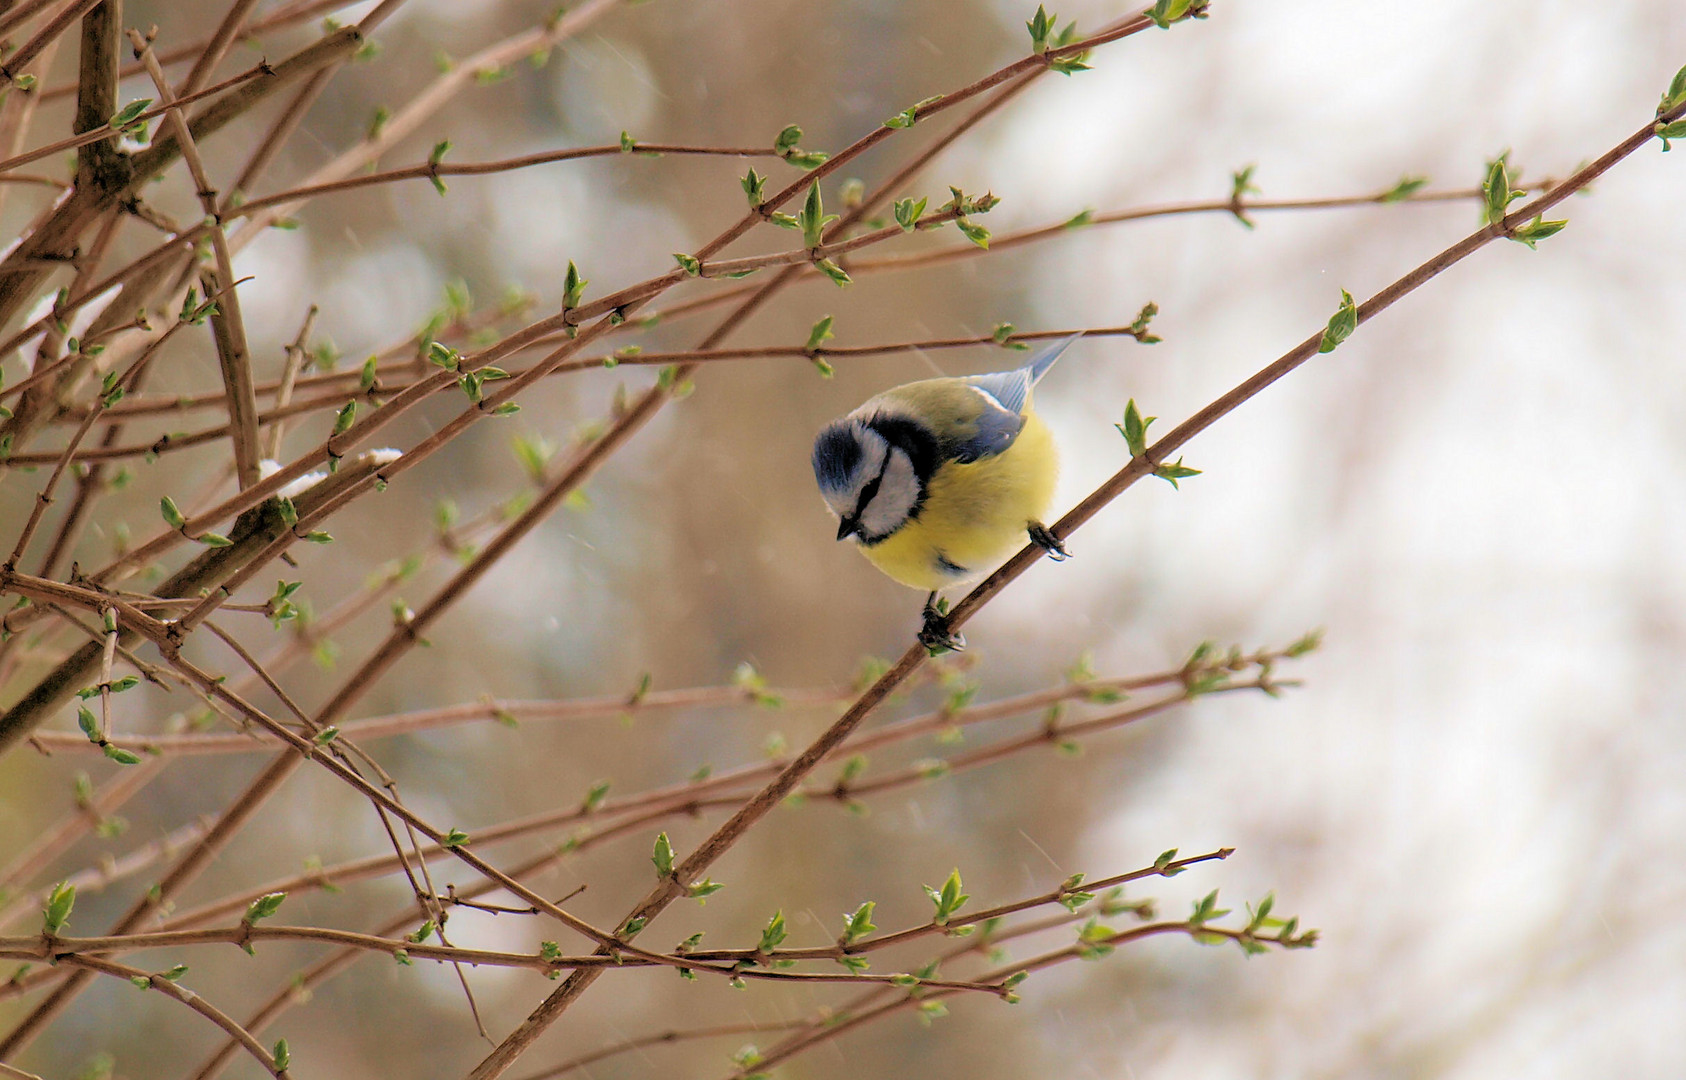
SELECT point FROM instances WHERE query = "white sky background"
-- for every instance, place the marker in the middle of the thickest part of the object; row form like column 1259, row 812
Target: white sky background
column 1478, row 796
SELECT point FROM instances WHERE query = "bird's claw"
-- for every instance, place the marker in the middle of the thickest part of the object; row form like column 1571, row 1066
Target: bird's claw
column 935, row 635
column 1042, row 537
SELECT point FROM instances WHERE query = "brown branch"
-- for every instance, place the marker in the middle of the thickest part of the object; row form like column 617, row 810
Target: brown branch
column 46, row 35
column 431, row 170
column 287, row 15
column 210, row 55
column 434, row 97
column 106, row 131
column 26, row 268
column 100, row 164
column 667, row 1038
column 336, row 399
column 169, row 988
column 213, row 567
column 227, row 325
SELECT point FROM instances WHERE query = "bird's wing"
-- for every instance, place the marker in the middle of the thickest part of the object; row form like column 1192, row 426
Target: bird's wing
column 997, row 423
column 1011, row 389
column 1007, row 389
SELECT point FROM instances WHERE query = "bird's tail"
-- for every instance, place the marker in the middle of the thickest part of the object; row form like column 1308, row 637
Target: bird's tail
column 1042, row 361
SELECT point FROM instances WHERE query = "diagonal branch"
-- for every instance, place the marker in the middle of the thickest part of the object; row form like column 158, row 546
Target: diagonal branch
column 228, row 327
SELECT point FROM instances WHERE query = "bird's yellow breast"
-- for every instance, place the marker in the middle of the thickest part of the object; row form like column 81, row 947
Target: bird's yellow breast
column 974, row 515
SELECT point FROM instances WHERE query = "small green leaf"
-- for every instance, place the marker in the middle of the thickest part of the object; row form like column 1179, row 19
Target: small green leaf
column 1306, row 643
column 264, row 906
column 808, row 159
column 1041, row 25
column 662, row 857
column 702, row 890
column 216, row 540
column 1143, row 318
column 573, row 287
column 773, row 934
column 813, row 218
column 120, row 755
column 948, row 900
column 59, row 904
column 1535, row 231
column 441, row 355
column 1345, row 320
column 754, row 189
column 1496, row 191
column 455, row 838
column 819, row 334
column 904, row 119
column 688, row 263
column 1171, row 472
column 172, row 516
column 1674, row 130
column 346, row 416
column 1165, row 13
column 89, row 723
column 858, row 923
column 1407, row 187
column 831, row 270
column 1068, row 65
column 786, row 147
column 129, row 114
column 1675, row 96
column 977, row 234
column 282, row 1056
column 1134, row 429
column 908, row 213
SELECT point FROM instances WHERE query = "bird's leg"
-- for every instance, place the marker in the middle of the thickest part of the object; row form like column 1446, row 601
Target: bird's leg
column 1047, row 541
column 935, row 634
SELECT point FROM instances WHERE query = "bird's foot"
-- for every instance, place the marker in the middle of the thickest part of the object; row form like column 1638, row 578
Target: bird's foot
column 1047, row 541
column 935, row 634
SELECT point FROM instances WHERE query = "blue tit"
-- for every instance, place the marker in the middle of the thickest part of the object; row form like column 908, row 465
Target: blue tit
column 938, row 481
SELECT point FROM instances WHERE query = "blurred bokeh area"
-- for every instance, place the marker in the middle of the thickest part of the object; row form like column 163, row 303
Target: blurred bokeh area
column 1475, row 790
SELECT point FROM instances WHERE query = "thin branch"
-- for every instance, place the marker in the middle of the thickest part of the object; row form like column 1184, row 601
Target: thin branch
column 227, row 324
column 169, row 988
column 433, row 170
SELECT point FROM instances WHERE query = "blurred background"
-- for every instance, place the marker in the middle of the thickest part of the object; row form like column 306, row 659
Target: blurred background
column 1476, row 796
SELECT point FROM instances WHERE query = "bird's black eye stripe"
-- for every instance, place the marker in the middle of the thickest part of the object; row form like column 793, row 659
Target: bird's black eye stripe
column 871, row 489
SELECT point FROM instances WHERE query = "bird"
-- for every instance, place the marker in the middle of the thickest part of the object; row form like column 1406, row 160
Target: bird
column 937, row 481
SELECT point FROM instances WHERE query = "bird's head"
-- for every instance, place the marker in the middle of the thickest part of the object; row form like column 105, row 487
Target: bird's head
column 872, row 471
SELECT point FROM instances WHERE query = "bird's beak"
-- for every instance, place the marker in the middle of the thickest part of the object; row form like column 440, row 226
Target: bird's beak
column 848, row 527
